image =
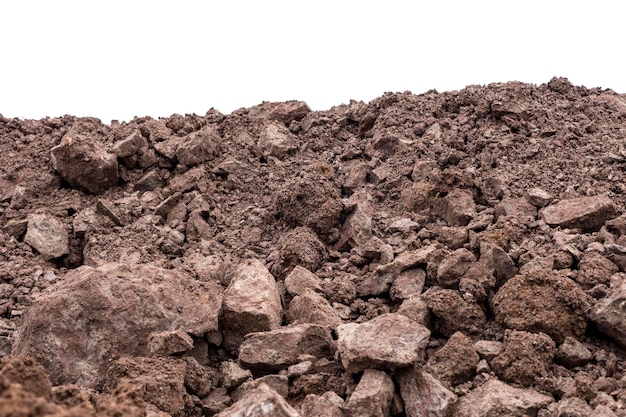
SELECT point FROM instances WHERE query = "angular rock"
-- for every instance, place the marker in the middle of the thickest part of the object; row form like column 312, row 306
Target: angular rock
column 452, row 313
column 453, row 267
column 495, row 259
column 277, row 349
column 356, row 230
column 216, row 401
column 488, row 349
column 526, row 357
column 407, row 260
column 251, row 303
column 516, row 207
column 538, row 197
column 302, row 247
column 301, row 279
column 199, row 380
column 608, row 314
column 169, row 342
column 404, row 225
column 423, row 394
column 586, row 213
column 198, row 147
column 310, row 307
column 385, row 342
column 416, row 309
column 572, row 353
column 455, row 362
column 327, row 405
column 594, row 269
column 495, row 398
column 129, row 146
column 453, row 237
column 232, row 375
column 279, row 383
column 277, row 141
column 573, row 407
column 285, row 112
column 262, row 401
column 48, row 236
column 543, row 301
column 76, row 327
column 372, row 396
column 85, row 164
column 407, row 284
column 459, row 207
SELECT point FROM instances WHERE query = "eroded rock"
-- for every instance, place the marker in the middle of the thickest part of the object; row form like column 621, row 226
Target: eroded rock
column 586, row 213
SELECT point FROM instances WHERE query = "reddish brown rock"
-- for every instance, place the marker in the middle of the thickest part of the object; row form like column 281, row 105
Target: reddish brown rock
column 409, row 283
column 129, row 146
column 608, row 314
column 525, row 358
column 285, row 112
column 356, row 230
column 459, row 207
column 424, row 395
column 452, row 313
column 93, row 315
column 516, row 207
column 594, row 269
column 386, row 342
column 327, row 405
column 277, row 141
column 572, row 353
column 198, row 147
column 416, row 309
column 169, row 342
column 262, row 401
column 452, row 268
column 251, row 303
column 278, row 383
column 277, row 349
column 586, row 213
column 84, row 163
column 372, row 396
column 455, row 362
column 299, row 247
column 48, row 236
column 310, row 307
column 543, row 301
column 497, row 398
column 301, row 279
column 496, row 260
column 232, row 375
column 26, row 372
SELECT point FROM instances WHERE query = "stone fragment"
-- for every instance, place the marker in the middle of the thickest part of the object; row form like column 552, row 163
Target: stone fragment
column 278, row 383
column 407, row 260
column 275, row 350
column 385, row 342
column 407, row 284
column 403, row 225
column 232, row 375
column 495, row 398
column 85, row 164
column 453, row 237
column 302, row 247
column 452, row 268
column 127, row 302
column 452, row 313
column 299, row 369
column 216, row 401
column 260, row 401
column 573, row 407
column 594, row 269
column 327, row 405
column 169, row 342
column 416, row 309
column 516, row 207
column 495, row 259
column 151, row 180
column 423, row 394
column 572, row 353
column 459, row 207
column 538, row 197
column 356, row 230
column 199, row 380
column 198, row 147
column 310, row 307
column 277, row 141
column 129, row 146
column 301, row 279
column 525, row 358
column 161, row 381
column 48, row 236
column 15, row 227
column 251, row 303
column 586, row 213
column 608, row 313
column 488, row 349
column 455, row 362
column 372, row 396
column 284, row 112
column 544, row 301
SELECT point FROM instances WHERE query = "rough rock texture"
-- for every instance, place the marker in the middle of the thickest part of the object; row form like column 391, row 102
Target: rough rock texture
column 75, row 329
column 545, row 302
column 386, row 342
column 262, row 401
column 492, row 209
column 47, row 236
column 372, row 396
column 251, row 303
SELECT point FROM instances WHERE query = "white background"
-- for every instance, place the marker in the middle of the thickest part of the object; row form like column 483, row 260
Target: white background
column 119, row 59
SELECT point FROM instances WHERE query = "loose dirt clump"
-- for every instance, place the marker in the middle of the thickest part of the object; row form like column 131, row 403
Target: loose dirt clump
column 458, row 253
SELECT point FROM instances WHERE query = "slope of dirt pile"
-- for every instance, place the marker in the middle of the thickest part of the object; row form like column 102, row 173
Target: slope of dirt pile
column 442, row 254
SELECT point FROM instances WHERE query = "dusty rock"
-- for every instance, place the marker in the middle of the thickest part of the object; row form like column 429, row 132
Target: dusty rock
column 459, row 208
column 607, row 314
column 285, row 112
column 278, row 383
column 386, row 342
column 586, row 213
column 407, row 284
column 538, row 197
column 277, row 141
column 327, row 405
column 198, row 147
column 594, row 269
column 356, row 230
column 372, row 396
column 216, row 401
column 525, row 358
column 455, row 362
column 488, row 349
column 310, row 307
column 300, row 279
column 28, row 373
column 199, row 380
column 572, row 353
column 416, row 309
column 129, row 146
column 262, row 401
column 516, row 207
column 572, row 407
column 299, row 247
column 60, row 328
column 453, row 267
column 452, row 313
column 232, row 375
column 169, row 342
column 85, row 164
column 543, row 301
column 48, row 236
column 251, row 303
column 277, row 349
column 423, row 395
column 497, row 398
column 495, row 259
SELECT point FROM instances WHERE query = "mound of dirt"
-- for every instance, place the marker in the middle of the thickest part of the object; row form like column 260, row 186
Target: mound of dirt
column 442, row 254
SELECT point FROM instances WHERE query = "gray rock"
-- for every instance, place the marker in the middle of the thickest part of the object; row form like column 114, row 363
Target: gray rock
column 48, row 236
column 372, row 396
column 251, row 303
column 586, row 213
column 488, row 349
column 385, row 342
column 423, row 394
column 262, row 401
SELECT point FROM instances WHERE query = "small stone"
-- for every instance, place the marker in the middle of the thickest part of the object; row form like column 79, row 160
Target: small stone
column 310, row 307
column 586, row 213
column 299, row 369
column 608, row 314
column 516, row 207
column 301, row 279
column 416, row 309
column 459, row 208
column 284, row 112
column 403, row 225
column 488, row 349
column 327, row 405
column 48, row 236
column 372, row 396
column 198, row 147
column 572, row 353
column 423, row 394
column 573, row 407
column 538, row 197
column 277, row 141
column 452, row 313
column 407, row 284
column 199, row 380
column 130, row 146
column 169, row 342
column 356, row 230
column 278, row 383
column 495, row 259
column 452, row 268
column 216, row 401
column 483, row 367
column 232, row 375
column 261, row 401
column 455, row 362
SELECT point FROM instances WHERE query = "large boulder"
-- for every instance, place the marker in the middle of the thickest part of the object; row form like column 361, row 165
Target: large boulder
column 75, row 328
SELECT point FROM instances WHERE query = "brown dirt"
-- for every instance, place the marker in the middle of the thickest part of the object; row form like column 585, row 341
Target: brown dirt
column 480, row 189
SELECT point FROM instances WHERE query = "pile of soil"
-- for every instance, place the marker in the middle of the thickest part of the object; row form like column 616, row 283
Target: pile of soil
column 458, row 253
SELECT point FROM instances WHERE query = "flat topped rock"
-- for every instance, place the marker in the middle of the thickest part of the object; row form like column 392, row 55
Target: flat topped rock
column 385, row 342
column 586, row 213
column 48, row 236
